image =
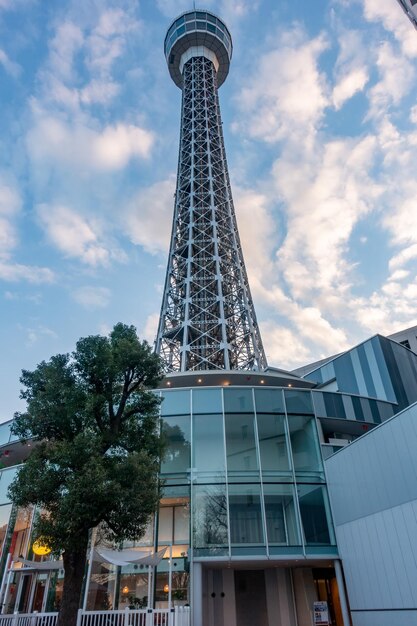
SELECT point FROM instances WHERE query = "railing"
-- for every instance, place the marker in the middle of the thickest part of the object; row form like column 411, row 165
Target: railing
column 179, row 616
column 29, row 619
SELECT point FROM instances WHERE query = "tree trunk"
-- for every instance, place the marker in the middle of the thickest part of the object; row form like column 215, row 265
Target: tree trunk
column 74, row 566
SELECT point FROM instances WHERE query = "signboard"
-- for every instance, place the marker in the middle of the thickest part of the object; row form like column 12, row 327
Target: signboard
column 321, row 614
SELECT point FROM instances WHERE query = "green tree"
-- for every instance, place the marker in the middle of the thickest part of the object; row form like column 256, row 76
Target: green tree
column 98, row 448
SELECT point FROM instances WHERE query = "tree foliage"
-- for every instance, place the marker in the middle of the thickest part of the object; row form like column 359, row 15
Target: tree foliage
column 98, row 449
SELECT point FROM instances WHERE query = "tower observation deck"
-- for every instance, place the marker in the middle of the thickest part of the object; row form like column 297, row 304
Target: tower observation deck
column 207, row 317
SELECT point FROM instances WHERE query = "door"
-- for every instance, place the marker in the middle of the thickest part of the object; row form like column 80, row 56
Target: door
column 250, row 593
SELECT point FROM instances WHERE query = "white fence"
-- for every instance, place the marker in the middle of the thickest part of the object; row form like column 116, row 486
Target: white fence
column 29, row 619
column 179, row 616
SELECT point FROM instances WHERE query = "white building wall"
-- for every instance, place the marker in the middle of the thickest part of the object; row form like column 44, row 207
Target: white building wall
column 373, row 491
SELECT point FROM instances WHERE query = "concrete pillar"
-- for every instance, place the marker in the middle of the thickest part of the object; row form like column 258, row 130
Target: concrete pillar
column 342, row 593
column 197, row 600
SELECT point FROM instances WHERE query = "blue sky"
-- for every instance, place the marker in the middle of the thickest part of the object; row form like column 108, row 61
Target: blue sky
column 320, row 121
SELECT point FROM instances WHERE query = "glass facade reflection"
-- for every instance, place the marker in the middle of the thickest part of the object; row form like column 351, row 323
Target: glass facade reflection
column 255, row 470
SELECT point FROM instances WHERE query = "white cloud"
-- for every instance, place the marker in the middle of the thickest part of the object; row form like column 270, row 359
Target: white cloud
column 15, row 272
column 11, row 68
column 85, row 148
column 397, row 78
column 10, row 205
column 92, row 297
column 403, row 257
column 10, row 199
column 324, row 200
column 148, row 217
column 107, row 41
column 64, row 46
column 270, row 100
column 34, row 335
column 150, row 329
column 73, row 235
column 115, row 146
column 257, row 231
column 99, row 92
column 348, row 86
column 392, row 17
column 283, row 345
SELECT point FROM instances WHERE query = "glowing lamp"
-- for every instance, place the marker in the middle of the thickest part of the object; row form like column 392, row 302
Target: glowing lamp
column 125, row 589
column 40, row 548
column 166, row 588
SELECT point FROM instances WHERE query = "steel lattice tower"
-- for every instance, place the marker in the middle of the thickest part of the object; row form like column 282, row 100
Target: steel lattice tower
column 207, row 318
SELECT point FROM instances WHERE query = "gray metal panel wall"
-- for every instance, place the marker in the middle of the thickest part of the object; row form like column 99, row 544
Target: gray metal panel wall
column 373, row 491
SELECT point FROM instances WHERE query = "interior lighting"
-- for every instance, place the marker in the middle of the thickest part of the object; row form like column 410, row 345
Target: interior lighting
column 166, row 588
column 125, row 589
column 262, row 382
column 199, row 380
column 289, row 385
column 40, row 548
column 168, row 384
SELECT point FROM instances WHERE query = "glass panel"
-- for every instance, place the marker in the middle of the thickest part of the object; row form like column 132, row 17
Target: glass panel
column 133, row 590
column 171, row 30
column 200, row 15
column 166, row 524
column 174, row 514
column 175, row 402
column 5, row 433
column 207, row 401
column 269, row 401
column 210, row 516
column 182, row 523
column 211, row 18
column 211, row 28
column 181, row 30
column 238, row 401
column 201, row 25
column 319, row 405
column 245, row 515
column 299, row 402
column 20, row 538
column 242, row 458
column 305, row 445
column 313, row 514
column 281, row 518
column 4, row 520
column 208, row 448
column 5, row 480
column 348, row 406
column 180, row 584
column 101, row 590
column 177, row 432
column 273, row 446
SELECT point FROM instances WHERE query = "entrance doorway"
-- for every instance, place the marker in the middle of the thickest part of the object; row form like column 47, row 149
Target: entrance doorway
column 250, row 595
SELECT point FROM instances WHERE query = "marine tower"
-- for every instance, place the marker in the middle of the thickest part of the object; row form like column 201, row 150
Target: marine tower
column 207, row 320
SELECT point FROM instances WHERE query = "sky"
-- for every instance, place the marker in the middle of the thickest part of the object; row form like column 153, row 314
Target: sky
column 320, row 120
